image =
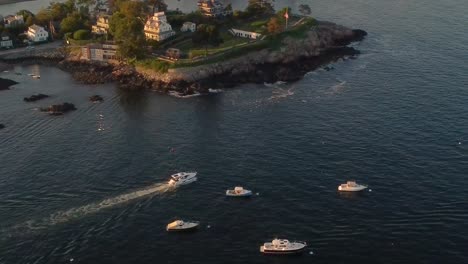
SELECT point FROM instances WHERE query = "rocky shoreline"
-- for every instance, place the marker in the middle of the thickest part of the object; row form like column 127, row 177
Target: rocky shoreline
column 323, row 44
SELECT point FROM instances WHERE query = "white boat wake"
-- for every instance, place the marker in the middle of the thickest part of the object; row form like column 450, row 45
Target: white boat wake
column 79, row 212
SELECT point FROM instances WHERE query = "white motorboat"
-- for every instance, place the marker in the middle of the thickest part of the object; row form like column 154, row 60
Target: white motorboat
column 239, row 192
column 180, row 225
column 351, row 186
column 36, row 76
column 283, row 246
column 182, row 178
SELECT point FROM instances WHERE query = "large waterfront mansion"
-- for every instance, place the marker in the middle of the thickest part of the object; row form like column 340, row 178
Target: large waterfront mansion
column 157, row 27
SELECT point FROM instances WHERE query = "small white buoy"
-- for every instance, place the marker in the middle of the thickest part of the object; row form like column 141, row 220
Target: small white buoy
column 71, row 260
column 257, row 194
column 311, row 252
column 459, row 143
column 208, row 226
column 370, row 190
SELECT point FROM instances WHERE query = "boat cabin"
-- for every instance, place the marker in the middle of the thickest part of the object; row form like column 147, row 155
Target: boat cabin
column 351, row 183
column 238, row 189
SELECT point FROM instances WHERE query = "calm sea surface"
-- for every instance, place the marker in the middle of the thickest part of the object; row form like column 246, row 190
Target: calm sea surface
column 88, row 187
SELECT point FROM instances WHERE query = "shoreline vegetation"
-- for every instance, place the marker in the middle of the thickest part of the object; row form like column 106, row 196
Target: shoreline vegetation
column 5, row 2
column 282, row 54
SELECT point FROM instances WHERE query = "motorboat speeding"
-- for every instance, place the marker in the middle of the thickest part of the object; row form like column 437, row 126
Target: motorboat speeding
column 351, row 186
column 182, row 178
column 283, row 246
column 180, row 225
column 239, row 192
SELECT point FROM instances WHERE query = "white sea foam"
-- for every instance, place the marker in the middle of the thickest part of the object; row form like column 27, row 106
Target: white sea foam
column 281, row 93
column 337, row 88
column 215, row 90
column 178, row 95
column 78, row 212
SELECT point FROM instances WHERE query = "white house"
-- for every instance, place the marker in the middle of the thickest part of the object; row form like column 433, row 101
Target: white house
column 102, row 25
column 5, row 41
column 188, row 26
column 37, row 34
column 99, row 52
column 13, row 21
column 157, row 27
column 213, row 8
column 245, row 34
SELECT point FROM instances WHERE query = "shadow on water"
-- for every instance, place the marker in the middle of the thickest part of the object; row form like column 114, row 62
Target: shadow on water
column 133, row 102
column 353, row 195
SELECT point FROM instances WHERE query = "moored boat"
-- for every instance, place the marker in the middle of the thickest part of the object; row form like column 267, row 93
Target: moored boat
column 351, row 186
column 239, row 192
column 182, row 178
column 180, row 225
column 283, row 246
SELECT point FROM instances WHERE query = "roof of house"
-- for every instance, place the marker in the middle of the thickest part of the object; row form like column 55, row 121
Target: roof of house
column 5, row 34
column 36, row 27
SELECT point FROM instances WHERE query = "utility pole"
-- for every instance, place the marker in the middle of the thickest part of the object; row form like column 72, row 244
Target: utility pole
column 286, row 15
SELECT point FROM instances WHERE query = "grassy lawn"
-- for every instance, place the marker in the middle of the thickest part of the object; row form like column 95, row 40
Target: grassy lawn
column 232, row 47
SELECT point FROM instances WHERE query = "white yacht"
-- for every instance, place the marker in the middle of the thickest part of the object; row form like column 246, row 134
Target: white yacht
column 239, row 192
column 351, row 186
column 282, row 246
column 182, row 178
column 179, row 225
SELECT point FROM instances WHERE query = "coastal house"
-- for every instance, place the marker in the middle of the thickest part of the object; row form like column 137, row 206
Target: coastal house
column 6, row 41
column 13, row 21
column 102, row 25
column 188, row 26
column 37, row 33
column 99, row 52
column 157, row 27
column 213, row 8
column 245, row 34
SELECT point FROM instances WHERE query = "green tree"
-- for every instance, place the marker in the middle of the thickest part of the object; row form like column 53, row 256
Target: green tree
column 280, row 15
column 58, row 11
column 73, row 22
column 207, row 35
column 43, row 17
column 305, row 9
column 25, row 13
column 258, row 8
column 128, row 33
column 274, row 26
column 29, row 21
column 132, row 9
column 81, row 34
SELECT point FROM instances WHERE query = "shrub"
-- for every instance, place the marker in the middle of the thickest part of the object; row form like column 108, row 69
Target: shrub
column 81, row 34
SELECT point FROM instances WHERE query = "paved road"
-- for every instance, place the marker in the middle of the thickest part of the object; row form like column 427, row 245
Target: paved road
column 24, row 50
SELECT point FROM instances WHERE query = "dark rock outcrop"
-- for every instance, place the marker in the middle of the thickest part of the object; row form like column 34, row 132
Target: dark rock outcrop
column 35, row 97
column 6, row 83
column 322, row 44
column 96, row 98
column 59, row 109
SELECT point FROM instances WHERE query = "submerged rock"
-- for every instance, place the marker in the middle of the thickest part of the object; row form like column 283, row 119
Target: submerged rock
column 35, row 97
column 59, row 109
column 6, row 83
column 96, row 98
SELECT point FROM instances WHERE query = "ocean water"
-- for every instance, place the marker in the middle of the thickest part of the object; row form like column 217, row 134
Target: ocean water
column 89, row 186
